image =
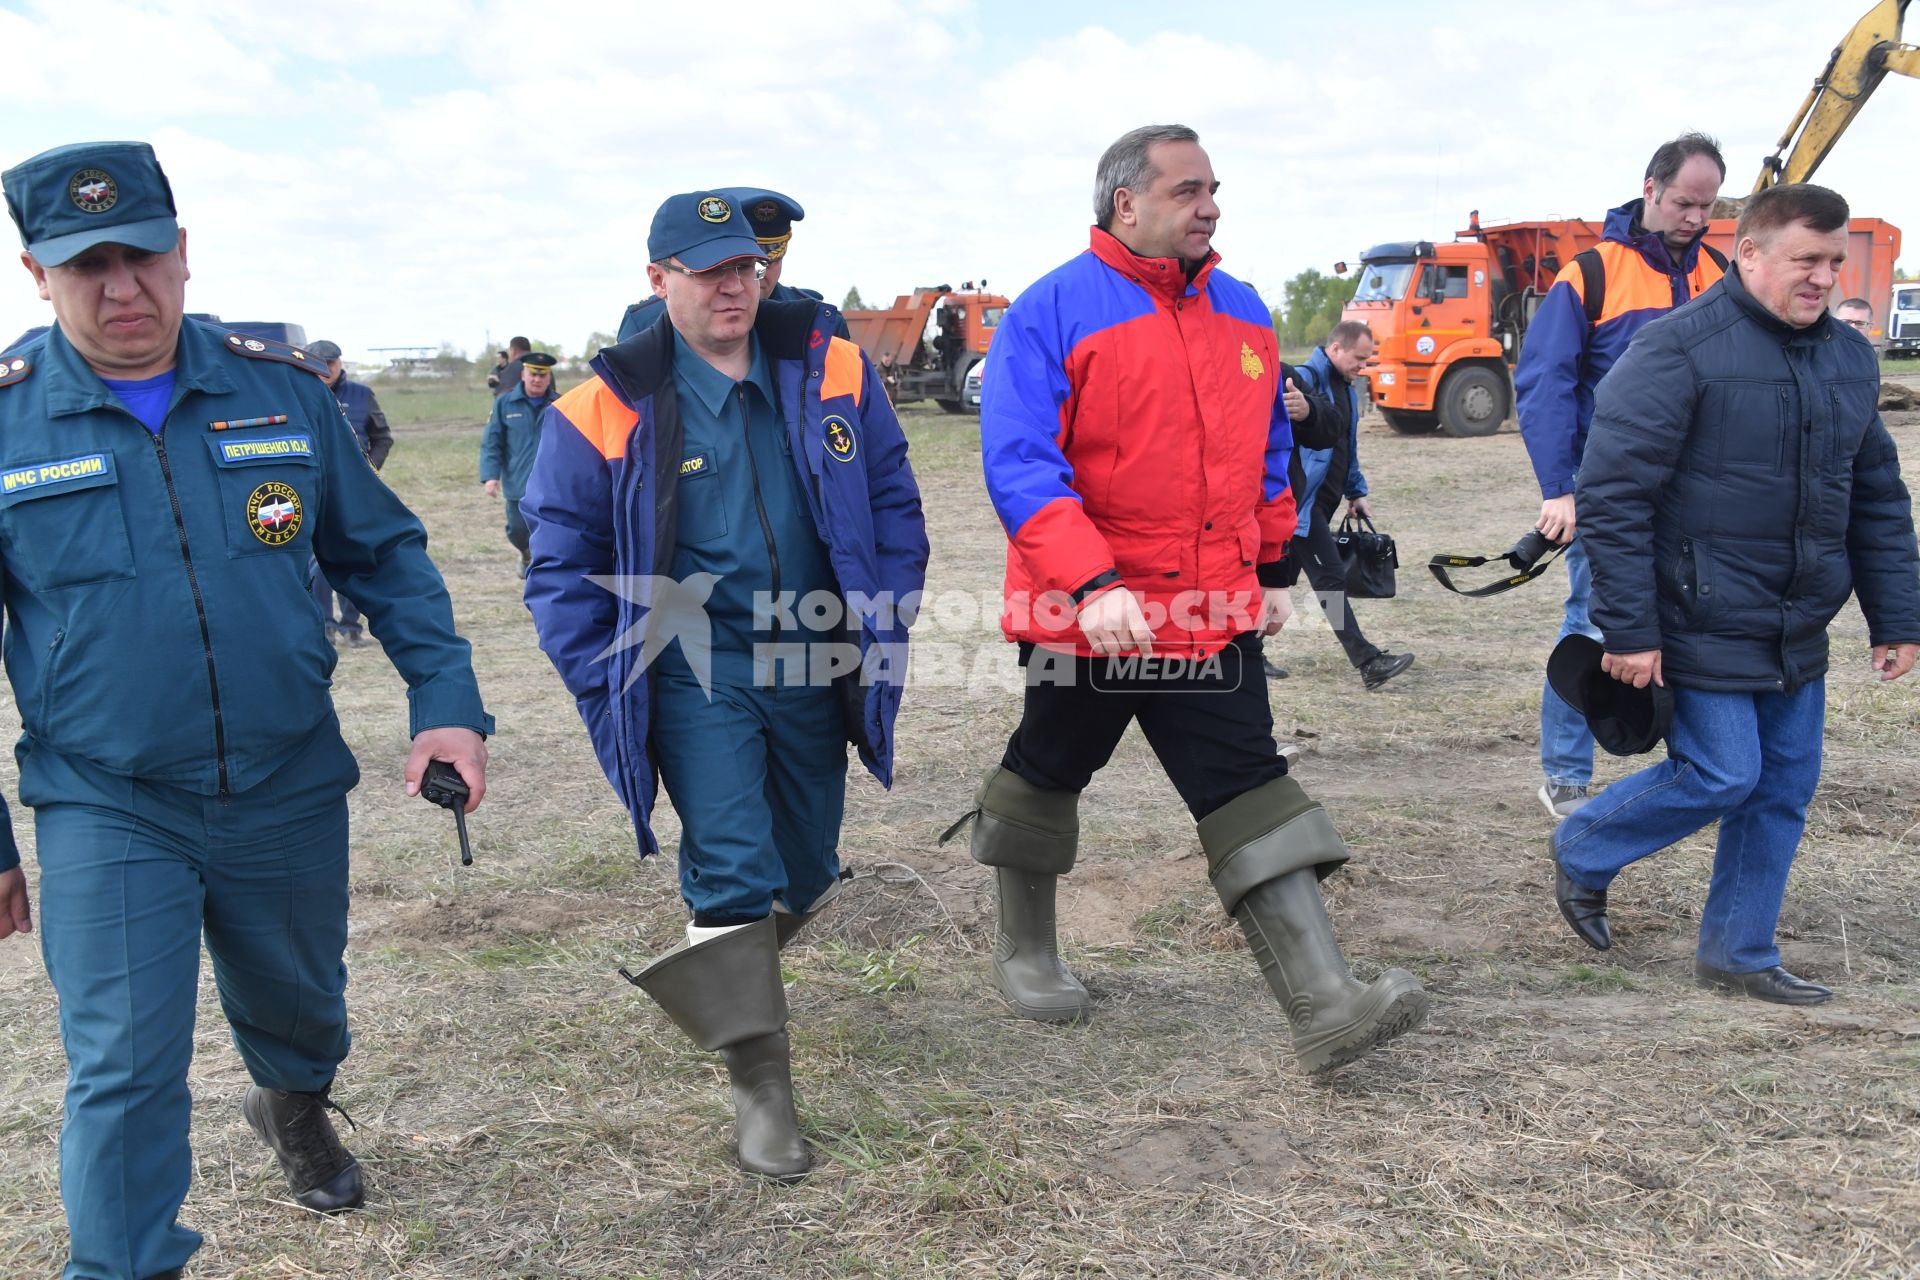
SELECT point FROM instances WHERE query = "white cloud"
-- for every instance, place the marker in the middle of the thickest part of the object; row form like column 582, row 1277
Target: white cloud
column 416, row 174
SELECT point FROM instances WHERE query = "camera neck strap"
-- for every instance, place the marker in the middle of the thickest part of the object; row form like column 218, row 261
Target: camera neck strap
column 1441, row 563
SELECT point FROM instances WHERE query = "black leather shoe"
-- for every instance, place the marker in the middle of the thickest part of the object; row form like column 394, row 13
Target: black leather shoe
column 1775, row 985
column 1274, row 672
column 322, row 1174
column 1378, row 670
column 1585, row 910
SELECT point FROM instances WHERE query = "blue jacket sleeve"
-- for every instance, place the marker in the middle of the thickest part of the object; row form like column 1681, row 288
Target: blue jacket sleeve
column 1880, row 542
column 493, row 444
column 1356, row 478
column 1642, row 416
column 899, row 527
column 1278, row 515
column 1028, row 476
column 569, row 511
column 9, row 847
column 1547, row 386
column 373, row 550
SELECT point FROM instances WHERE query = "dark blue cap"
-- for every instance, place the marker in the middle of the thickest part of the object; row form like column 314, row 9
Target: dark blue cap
column 67, row 200
column 703, row 229
column 771, row 214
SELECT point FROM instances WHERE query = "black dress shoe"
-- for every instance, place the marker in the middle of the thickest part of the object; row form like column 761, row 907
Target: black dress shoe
column 1274, row 672
column 1378, row 670
column 1585, row 910
column 1775, row 985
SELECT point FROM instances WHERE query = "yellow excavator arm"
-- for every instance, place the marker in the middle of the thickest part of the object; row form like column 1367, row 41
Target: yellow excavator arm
column 1860, row 62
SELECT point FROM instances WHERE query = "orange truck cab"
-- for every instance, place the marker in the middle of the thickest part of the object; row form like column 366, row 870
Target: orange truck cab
column 931, row 343
column 1449, row 320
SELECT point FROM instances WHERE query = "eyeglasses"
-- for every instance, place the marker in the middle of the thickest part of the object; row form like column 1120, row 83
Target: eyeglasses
column 741, row 269
column 1861, row 325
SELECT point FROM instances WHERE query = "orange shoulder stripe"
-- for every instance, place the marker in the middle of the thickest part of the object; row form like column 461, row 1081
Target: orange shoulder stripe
column 597, row 414
column 1632, row 285
column 844, row 373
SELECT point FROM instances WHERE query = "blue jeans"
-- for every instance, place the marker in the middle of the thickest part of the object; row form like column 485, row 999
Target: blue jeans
column 758, row 777
column 1750, row 760
column 133, row 875
column 1566, row 744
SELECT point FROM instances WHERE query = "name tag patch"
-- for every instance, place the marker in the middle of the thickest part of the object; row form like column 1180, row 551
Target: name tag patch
column 696, row 465
column 87, row 469
column 235, row 453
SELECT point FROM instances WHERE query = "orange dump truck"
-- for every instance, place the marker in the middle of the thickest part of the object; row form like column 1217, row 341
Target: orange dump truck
column 930, row 343
column 1450, row 319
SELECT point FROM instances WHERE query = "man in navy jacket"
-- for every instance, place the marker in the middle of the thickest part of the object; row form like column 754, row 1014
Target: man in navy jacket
column 1737, row 486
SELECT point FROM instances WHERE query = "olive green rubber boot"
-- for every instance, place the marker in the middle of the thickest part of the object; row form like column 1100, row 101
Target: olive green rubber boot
column 725, row 993
column 1026, row 951
column 1029, row 837
column 1266, row 851
column 787, row 923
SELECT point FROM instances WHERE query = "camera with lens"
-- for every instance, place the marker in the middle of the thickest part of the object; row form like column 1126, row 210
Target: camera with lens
column 1523, row 554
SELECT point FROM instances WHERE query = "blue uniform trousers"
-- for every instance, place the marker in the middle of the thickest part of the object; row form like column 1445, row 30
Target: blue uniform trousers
column 349, row 619
column 1566, row 744
column 517, row 527
column 758, row 777
column 131, row 875
column 1749, row 760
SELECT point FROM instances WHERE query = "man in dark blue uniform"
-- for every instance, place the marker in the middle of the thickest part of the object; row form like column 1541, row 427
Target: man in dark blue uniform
column 162, row 485
column 369, row 425
column 772, row 216
column 772, row 525
column 511, row 439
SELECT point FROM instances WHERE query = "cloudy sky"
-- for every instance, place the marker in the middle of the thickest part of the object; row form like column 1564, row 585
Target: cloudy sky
column 460, row 170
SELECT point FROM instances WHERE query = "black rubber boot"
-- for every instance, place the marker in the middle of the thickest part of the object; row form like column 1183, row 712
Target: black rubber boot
column 726, row 994
column 1335, row 1018
column 1267, row 849
column 1026, row 950
column 323, row 1174
column 1029, row 836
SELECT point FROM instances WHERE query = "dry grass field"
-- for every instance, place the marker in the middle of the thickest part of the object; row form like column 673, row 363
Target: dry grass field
column 525, row 1113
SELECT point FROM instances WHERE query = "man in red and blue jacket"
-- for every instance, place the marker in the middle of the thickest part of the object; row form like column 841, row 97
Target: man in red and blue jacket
column 727, row 548
column 1136, row 449
column 1652, row 259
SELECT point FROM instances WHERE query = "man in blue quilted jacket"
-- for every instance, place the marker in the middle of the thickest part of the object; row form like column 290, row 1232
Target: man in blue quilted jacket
column 1738, row 485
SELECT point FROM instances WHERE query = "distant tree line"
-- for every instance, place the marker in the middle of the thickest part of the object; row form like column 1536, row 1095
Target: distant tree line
column 1310, row 306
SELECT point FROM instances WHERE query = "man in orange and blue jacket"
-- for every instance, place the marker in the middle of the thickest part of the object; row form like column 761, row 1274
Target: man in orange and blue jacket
column 727, row 548
column 1136, row 447
column 1652, row 259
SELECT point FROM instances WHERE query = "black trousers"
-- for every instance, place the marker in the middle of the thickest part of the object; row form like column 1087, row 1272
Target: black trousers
column 1316, row 552
column 1212, row 728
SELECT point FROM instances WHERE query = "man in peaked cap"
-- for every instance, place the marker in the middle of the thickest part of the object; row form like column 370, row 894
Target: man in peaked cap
column 718, row 468
column 163, row 483
column 512, row 438
column 772, row 216
column 369, row 423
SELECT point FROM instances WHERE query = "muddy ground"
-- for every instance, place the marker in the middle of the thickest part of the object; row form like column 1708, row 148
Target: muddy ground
column 524, row 1112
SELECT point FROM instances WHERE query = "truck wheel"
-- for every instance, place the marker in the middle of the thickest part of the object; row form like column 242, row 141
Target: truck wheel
column 1410, row 422
column 1473, row 402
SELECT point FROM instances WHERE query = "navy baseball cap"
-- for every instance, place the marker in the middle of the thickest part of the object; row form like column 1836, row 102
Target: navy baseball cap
column 67, row 200
column 703, row 229
column 771, row 214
